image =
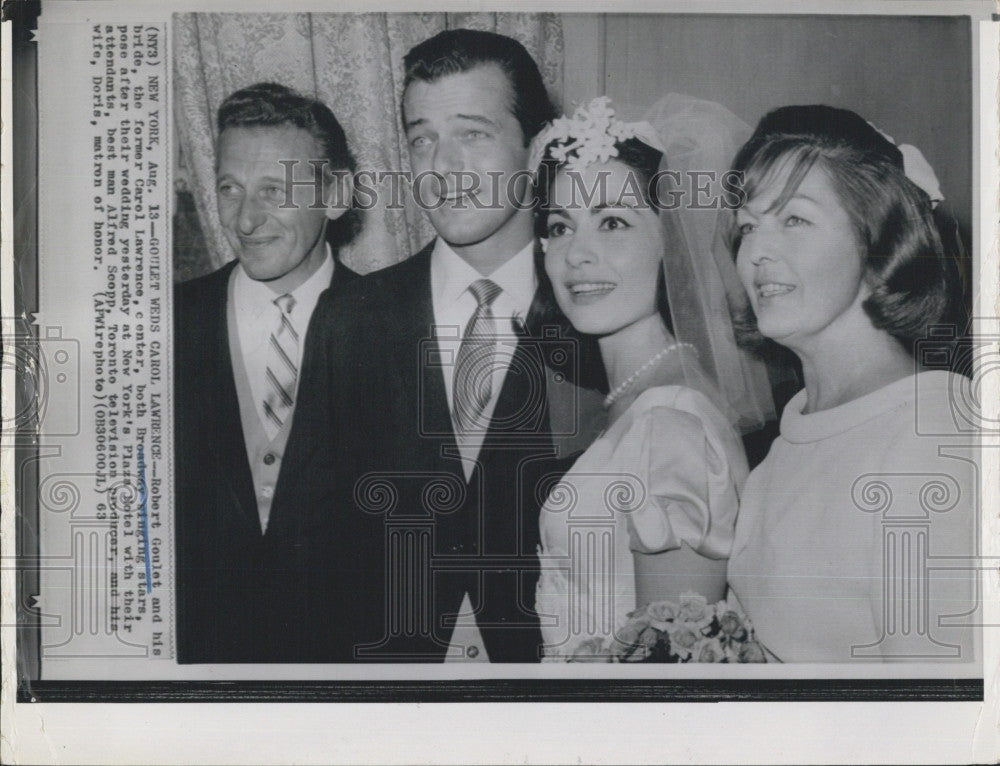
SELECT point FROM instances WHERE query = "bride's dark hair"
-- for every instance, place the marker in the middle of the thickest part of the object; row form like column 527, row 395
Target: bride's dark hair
column 913, row 280
column 644, row 161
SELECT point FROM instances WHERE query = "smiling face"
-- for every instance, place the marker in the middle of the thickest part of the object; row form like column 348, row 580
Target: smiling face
column 466, row 145
column 603, row 258
column 283, row 246
column 802, row 265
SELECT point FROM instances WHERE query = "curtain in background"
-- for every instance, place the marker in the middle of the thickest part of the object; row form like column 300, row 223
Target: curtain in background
column 351, row 62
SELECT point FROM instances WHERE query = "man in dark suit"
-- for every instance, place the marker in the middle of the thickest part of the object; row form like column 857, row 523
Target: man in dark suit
column 446, row 403
column 239, row 335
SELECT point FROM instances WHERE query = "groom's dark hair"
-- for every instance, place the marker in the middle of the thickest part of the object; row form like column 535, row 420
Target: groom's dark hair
column 460, row 50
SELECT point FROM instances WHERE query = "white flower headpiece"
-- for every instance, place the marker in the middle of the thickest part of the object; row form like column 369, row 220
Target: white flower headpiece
column 917, row 168
column 589, row 136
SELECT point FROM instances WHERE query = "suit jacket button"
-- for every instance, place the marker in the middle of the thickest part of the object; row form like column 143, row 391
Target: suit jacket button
column 269, row 459
column 472, row 651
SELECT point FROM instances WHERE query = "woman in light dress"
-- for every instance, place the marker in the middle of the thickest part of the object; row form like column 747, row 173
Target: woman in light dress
column 648, row 511
column 871, row 478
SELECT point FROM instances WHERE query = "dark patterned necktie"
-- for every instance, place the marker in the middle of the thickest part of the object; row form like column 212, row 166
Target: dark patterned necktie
column 282, row 368
column 476, row 362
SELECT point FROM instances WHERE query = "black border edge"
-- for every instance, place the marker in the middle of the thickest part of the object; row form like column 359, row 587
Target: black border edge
column 25, row 14
column 514, row 690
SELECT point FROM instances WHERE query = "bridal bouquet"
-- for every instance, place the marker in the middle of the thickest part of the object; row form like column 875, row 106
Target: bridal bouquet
column 691, row 630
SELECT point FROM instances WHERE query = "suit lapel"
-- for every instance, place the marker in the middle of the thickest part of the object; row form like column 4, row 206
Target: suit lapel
column 522, row 406
column 342, row 274
column 224, row 428
column 413, row 324
column 279, row 518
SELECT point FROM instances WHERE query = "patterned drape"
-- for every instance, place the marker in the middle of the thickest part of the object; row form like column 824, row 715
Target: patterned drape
column 352, row 62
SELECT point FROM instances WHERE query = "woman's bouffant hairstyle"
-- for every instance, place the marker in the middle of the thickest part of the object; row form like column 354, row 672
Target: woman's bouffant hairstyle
column 913, row 280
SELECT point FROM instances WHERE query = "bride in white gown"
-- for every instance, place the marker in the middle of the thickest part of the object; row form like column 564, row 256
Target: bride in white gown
column 648, row 511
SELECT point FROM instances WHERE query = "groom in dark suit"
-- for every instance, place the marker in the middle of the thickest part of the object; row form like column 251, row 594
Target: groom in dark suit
column 239, row 335
column 447, row 402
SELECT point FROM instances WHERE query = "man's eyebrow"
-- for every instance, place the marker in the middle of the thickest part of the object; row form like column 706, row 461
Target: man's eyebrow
column 481, row 119
column 478, row 118
column 268, row 179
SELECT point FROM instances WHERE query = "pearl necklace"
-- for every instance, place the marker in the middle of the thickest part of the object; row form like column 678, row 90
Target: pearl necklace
column 626, row 384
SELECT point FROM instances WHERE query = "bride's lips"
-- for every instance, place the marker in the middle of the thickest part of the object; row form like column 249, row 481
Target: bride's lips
column 772, row 289
column 583, row 293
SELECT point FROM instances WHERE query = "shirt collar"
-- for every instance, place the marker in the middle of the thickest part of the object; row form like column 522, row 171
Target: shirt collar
column 451, row 276
column 254, row 296
column 307, row 294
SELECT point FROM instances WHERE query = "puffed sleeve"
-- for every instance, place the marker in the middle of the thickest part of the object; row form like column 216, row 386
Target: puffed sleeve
column 692, row 466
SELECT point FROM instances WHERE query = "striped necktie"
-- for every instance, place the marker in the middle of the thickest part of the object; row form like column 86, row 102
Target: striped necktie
column 282, row 368
column 476, row 362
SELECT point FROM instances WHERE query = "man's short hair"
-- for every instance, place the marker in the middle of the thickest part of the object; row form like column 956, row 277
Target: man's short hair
column 269, row 104
column 460, row 50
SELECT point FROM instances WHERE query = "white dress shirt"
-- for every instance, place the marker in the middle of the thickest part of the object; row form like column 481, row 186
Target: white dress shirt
column 257, row 317
column 454, row 306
